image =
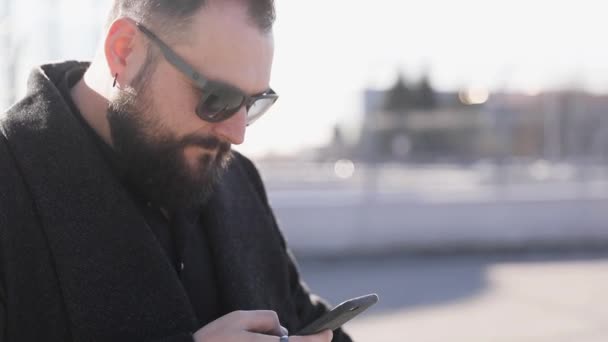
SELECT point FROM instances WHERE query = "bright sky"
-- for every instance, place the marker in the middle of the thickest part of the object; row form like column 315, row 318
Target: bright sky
column 328, row 51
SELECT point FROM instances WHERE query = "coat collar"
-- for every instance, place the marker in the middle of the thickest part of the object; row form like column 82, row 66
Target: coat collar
column 115, row 280
column 113, row 275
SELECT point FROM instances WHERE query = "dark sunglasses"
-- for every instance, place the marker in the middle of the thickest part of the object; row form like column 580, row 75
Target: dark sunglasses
column 219, row 100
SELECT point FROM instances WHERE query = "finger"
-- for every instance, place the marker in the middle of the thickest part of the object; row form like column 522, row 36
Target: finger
column 324, row 336
column 262, row 321
column 255, row 337
column 265, row 338
column 327, row 335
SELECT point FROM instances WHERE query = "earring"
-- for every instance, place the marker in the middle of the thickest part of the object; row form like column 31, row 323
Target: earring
column 115, row 78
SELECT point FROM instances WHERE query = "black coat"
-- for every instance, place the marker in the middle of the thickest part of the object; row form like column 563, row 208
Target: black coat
column 77, row 260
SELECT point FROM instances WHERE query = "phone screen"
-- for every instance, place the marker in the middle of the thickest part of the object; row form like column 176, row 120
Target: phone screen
column 339, row 315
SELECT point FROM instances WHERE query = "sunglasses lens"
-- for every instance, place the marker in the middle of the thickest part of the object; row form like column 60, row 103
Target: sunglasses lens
column 259, row 108
column 219, row 105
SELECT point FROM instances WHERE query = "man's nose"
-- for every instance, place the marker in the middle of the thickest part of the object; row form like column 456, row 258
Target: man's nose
column 232, row 130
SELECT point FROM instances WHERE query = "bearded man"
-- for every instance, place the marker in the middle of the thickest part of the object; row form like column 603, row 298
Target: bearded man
column 124, row 214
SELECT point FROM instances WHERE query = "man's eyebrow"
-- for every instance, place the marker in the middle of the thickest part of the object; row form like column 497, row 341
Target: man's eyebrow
column 262, row 92
column 195, row 86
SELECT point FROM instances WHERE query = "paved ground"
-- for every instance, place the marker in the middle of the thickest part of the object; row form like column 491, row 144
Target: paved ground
column 472, row 298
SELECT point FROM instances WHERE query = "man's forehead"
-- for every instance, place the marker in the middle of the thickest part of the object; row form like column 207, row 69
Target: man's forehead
column 225, row 45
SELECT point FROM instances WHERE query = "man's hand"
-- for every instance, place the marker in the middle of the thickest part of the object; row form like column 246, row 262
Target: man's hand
column 251, row 326
column 324, row 336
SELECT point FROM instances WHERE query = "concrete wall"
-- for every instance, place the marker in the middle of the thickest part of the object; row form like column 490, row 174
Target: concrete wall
column 329, row 222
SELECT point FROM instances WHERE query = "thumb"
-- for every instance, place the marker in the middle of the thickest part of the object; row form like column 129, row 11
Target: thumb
column 284, row 331
column 264, row 322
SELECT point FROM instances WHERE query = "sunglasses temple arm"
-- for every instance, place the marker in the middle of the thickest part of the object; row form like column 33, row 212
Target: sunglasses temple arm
column 174, row 59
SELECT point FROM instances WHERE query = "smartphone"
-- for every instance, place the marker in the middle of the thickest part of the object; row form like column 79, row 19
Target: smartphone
column 339, row 315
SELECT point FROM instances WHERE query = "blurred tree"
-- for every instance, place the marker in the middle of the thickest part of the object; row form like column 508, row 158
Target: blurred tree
column 338, row 138
column 426, row 94
column 399, row 98
column 397, row 102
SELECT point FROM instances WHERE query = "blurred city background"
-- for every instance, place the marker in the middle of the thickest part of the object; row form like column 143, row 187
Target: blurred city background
column 450, row 156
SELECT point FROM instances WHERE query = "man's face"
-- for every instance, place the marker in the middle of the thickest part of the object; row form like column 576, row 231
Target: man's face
column 173, row 156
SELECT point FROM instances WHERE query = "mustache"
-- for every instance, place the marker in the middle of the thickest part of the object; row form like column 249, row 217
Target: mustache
column 206, row 142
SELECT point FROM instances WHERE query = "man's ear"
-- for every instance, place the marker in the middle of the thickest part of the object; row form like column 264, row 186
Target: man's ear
column 122, row 50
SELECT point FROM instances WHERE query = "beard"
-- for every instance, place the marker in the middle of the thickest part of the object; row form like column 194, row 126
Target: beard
column 155, row 162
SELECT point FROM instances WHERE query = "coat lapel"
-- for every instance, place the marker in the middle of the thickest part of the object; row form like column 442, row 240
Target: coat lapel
column 250, row 263
column 116, row 282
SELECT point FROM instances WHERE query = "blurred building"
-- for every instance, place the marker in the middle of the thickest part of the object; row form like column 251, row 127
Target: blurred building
column 415, row 123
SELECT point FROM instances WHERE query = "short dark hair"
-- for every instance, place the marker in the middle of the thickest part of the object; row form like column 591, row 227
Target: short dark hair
column 173, row 16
